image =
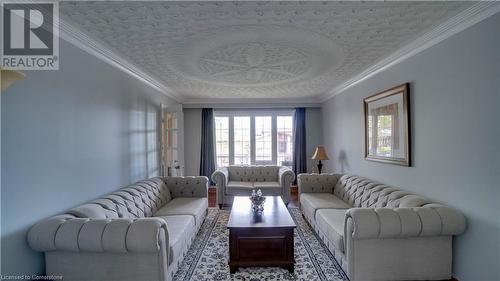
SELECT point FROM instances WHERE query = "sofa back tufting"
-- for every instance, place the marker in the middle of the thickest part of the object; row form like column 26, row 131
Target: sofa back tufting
column 139, row 200
column 360, row 192
column 253, row 173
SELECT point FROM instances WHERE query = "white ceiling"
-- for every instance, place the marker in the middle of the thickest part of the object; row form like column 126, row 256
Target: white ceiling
column 255, row 50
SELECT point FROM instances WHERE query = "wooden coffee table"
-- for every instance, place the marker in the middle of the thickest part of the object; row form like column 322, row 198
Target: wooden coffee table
column 260, row 240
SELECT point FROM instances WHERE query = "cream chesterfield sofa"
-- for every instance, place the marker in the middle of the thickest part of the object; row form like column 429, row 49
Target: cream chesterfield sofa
column 378, row 232
column 240, row 180
column 140, row 232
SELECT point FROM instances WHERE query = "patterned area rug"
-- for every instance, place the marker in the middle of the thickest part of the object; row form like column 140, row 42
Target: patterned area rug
column 208, row 256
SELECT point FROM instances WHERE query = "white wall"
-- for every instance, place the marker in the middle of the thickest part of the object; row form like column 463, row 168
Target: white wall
column 314, row 135
column 192, row 141
column 69, row 136
column 455, row 101
column 192, row 137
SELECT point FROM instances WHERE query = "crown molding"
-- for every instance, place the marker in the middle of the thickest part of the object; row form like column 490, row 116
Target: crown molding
column 102, row 51
column 455, row 24
column 452, row 26
column 252, row 103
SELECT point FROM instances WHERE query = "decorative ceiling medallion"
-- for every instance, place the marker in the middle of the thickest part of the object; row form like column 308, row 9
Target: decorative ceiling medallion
column 256, row 49
column 257, row 56
column 252, row 63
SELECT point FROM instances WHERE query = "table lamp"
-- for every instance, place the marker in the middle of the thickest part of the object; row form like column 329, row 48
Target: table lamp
column 320, row 154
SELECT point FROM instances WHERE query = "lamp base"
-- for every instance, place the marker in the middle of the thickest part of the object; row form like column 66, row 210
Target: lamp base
column 320, row 167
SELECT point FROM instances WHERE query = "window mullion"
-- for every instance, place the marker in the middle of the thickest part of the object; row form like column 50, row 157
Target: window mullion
column 231, row 140
column 252, row 139
column 274, row 136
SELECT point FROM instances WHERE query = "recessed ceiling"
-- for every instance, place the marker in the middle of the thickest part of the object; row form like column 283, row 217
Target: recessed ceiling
column 225, row 50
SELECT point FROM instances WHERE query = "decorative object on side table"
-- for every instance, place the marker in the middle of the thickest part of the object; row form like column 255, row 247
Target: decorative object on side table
column 257, row 201
column 387, row 126
column 320, row 154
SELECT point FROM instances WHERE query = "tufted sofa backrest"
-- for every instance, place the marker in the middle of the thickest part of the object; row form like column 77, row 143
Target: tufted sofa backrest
column 253, row 173
column 137, row 200
column 365, row 193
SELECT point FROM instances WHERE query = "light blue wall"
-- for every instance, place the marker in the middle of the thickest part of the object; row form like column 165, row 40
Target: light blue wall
column 192, row 141
column 69, row 136
column 455, row 101
column 314, row 135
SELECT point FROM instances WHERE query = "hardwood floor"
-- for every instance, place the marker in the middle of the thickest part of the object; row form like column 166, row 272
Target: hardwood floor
column 212, row 196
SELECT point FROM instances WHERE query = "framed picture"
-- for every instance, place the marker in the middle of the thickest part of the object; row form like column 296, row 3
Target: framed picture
column 387, row 126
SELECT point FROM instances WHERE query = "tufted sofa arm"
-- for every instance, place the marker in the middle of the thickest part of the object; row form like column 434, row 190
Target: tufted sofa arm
column 310, row 183
column 286, row 177
column 434, row 220
column 221, row 177
column 187, row 186
column 70, row 234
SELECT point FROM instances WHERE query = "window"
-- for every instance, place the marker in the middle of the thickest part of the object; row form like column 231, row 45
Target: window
column 263, row 139
column 260, row 137
column 242, row 140
column 222, row 141
column 285, row 140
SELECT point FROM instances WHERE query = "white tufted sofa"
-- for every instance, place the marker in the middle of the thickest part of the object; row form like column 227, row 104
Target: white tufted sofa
column 139, row 232
column 240, row 180
column 379, row 232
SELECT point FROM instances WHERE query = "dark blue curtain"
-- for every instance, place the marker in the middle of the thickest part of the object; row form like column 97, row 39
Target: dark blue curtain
column 299, row 141
column 207, row 159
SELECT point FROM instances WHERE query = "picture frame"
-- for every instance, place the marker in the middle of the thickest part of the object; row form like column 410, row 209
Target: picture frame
column 387, row 126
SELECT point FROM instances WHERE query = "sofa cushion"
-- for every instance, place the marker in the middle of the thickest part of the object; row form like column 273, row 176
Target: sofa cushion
column 271, row 188
column 181, row 229
column 323, row 201
column 194, row 206
column 331, row 223
column 239, row 188
column 311, row 202
column 267, row 184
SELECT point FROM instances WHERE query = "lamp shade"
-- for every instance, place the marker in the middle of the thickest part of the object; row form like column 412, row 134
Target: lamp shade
column 8, row 77
column 320, row 153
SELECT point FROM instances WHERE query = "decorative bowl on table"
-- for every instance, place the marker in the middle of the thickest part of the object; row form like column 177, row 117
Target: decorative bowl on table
column 257, row 201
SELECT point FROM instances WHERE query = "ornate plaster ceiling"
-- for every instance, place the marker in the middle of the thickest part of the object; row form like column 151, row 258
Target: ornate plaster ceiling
column 256, row 49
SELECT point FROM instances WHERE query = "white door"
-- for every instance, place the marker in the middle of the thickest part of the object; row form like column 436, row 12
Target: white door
column 173, row 141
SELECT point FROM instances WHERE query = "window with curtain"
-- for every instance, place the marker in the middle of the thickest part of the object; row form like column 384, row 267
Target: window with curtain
column 254, row 138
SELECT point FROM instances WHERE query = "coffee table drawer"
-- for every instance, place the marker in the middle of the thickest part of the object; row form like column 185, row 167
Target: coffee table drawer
column 267, row 247
column 261, row 247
